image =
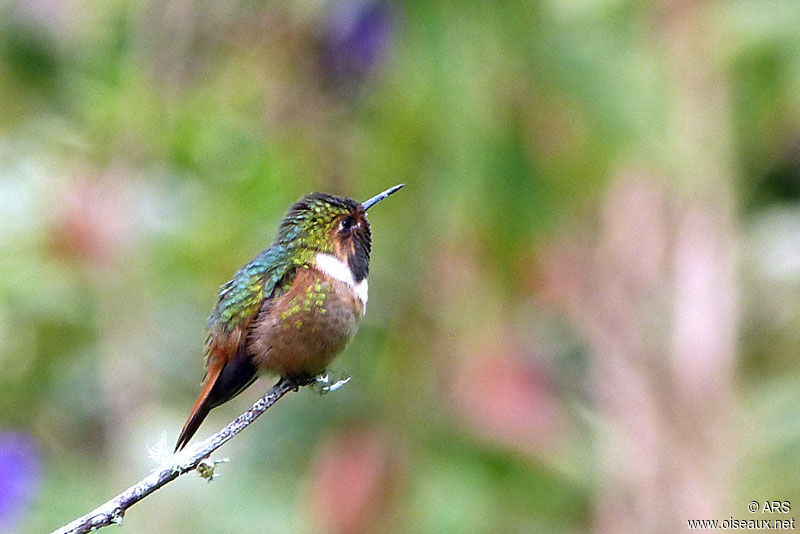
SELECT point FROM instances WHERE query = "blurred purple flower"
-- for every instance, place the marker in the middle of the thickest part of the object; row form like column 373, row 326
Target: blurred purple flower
column 19, row 476
column 354, row 37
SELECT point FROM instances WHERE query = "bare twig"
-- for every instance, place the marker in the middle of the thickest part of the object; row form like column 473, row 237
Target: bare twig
column 112, row 511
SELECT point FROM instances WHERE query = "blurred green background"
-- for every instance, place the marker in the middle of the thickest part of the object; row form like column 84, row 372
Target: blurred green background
column 585, row 306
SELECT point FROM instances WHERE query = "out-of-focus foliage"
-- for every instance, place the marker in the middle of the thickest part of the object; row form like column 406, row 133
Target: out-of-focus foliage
column 585, row 304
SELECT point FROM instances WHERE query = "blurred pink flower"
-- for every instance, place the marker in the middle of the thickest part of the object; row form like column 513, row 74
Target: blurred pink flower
column 500, row 391
column 91, row 223
column 351, row 482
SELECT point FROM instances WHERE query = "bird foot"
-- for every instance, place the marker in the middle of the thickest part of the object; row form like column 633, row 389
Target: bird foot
column 323, row 383
column 298, row 381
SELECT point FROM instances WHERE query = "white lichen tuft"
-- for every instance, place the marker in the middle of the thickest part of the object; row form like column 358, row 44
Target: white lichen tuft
column 160, row 452
column 322, row 384
column 206, row 468
column 183, row 460
column 117, row 516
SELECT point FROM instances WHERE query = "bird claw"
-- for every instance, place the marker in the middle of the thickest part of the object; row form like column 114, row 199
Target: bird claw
column 322, row 383
column 298, row 381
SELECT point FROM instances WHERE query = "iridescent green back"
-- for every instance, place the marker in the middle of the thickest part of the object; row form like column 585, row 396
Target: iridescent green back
column 304, row 231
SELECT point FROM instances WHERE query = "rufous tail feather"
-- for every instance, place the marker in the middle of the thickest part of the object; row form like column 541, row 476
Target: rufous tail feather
column 222, row 383
column 199, row 410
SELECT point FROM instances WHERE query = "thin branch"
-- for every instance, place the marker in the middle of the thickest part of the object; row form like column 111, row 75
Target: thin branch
column 112, row 511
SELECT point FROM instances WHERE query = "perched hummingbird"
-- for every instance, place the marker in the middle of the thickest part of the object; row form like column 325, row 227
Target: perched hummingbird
column 294, row 307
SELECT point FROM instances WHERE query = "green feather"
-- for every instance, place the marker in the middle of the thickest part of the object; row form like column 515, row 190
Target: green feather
column 303, row 232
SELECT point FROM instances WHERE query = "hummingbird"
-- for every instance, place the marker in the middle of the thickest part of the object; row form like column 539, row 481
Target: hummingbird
column 293, row 308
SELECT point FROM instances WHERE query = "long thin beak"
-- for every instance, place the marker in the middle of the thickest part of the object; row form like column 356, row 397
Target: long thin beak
column 377, row 198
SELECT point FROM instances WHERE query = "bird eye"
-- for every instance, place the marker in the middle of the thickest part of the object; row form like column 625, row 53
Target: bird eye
column 347, row 224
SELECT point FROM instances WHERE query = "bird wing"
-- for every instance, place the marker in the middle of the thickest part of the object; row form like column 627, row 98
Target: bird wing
column 228, row 368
